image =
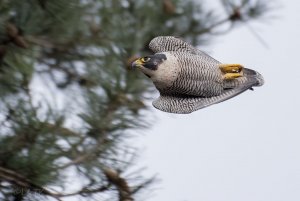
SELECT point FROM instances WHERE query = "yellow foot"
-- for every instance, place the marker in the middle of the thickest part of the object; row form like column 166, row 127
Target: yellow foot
column 231, row 68
column 231, row 71
column 231, row 76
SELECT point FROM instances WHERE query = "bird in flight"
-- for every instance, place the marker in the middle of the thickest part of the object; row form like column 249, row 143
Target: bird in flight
column 189, row 79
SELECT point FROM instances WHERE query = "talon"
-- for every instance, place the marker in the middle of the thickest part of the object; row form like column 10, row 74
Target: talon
column 231, row 76
column 231, row 71
column 231, row 68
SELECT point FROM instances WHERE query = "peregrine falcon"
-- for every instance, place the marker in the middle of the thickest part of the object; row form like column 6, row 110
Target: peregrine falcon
column 189, row 79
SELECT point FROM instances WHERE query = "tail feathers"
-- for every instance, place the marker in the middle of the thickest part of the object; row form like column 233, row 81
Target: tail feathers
column 255, row 76
column 249, row 76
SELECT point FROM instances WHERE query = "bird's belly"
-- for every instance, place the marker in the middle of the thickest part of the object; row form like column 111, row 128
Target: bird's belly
column 197, row 88
column 199, row 80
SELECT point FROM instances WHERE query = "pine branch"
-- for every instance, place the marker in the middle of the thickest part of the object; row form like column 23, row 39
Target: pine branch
column 234, row 16
column 85, row 191
column 242, row 13
column 14, row 36
column 143, row 185
column 17, row 179
column 110, row 109
column 79, row 159
column 120, row 183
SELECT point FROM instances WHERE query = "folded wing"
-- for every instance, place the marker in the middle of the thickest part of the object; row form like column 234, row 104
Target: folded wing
column 183, row 104
column 171, row 43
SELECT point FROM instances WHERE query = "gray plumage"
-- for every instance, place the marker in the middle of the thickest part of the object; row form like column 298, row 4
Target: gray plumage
column 189, row 79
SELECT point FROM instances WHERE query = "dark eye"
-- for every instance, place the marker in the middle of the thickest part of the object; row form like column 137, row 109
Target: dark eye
column 145, row 59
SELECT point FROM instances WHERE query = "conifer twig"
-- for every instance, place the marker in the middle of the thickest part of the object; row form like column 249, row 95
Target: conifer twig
column 19, row 180
column 120, row 183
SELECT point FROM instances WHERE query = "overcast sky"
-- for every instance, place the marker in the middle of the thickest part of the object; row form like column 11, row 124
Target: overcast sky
column 244, row 149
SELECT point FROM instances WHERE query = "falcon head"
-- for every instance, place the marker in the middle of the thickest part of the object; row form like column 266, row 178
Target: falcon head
column 149, row 64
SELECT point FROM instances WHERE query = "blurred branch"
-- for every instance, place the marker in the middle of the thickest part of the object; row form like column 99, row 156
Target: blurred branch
column 41, row 42
column 234, row 16
column 64, row 131
column 85, row 191
column 14, row 36
column 245, row 11
column 257, row 36
column 112, row 106
column 19, row 180
column 143, row 185
column 120, row 183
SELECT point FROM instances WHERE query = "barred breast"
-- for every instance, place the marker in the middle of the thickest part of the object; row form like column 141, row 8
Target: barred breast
column 197, row 76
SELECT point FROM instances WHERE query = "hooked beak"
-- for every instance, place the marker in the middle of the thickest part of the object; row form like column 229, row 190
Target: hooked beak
column 137, row 64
